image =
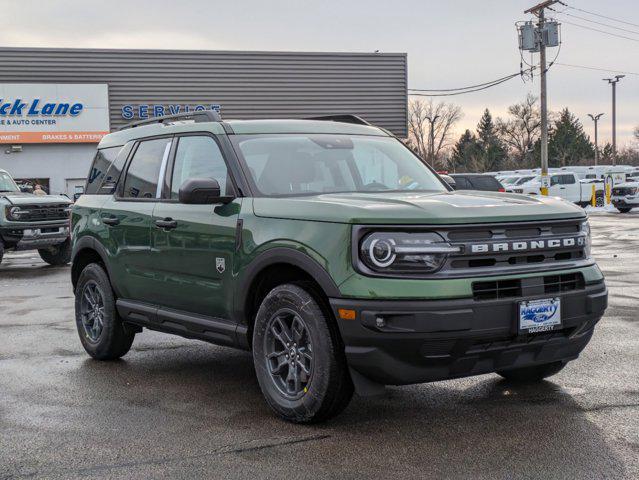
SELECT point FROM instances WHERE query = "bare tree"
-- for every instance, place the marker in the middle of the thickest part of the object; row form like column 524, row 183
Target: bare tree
column 430, row 127
column 636, row 133
column 522, row 129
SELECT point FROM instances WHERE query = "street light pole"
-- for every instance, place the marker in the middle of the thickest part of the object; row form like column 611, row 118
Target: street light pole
column 613, row 82
column 595, row 118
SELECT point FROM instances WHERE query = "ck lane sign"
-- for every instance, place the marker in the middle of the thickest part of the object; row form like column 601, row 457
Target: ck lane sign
column 53, row 113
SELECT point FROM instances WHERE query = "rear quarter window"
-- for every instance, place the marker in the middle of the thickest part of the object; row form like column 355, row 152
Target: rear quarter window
column 102, row 170
column 485, row 183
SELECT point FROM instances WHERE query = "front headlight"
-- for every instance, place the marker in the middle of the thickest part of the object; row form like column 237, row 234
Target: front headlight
column 404, row 252
column 585, row 228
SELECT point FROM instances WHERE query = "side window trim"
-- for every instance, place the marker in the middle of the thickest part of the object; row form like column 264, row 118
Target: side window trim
column 165, row 159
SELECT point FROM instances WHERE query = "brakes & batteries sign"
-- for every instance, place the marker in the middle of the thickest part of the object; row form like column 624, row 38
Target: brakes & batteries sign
column 53, row 113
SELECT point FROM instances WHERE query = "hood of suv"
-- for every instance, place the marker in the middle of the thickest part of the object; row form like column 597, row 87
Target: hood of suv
column 21, row 198
column 417, row 208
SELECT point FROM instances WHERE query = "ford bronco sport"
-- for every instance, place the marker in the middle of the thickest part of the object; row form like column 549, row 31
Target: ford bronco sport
column 30, row 222
column 331, row 252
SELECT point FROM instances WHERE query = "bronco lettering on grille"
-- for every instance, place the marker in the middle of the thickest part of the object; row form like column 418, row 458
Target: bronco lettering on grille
column 522, row 246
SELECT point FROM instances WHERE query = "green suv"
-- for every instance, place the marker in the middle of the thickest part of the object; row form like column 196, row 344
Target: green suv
column 32, row 222
column 331, row 252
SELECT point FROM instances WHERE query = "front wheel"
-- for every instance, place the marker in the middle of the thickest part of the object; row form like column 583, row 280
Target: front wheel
column 532, row 374
column 624, row 210
column 101, row 331
column 59, row 254
column 298, row 356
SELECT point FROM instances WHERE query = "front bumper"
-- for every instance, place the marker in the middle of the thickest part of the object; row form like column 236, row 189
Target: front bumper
column 34, row 236
column 424, row 341
column 625, row 202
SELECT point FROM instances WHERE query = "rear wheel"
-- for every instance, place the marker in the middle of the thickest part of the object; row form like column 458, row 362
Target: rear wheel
column 298, row 357
column 101, row 331
column 624, row 210
column 532, row 374
column 57, row 254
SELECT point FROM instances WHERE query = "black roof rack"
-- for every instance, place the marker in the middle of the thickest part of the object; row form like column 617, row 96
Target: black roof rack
column 341, row 117
column 196, row 116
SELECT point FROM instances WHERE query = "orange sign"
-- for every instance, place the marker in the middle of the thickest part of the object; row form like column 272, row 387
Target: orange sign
column 51, row 137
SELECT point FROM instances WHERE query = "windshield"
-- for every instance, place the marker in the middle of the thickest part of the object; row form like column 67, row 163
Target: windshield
column 509, row 180
column 523, row 180
column 294, row 164
column 7, row 184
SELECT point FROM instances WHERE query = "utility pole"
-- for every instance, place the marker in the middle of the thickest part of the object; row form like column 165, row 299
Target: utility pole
column 538, row 10
column 613, row 82
column 431, row 147
column 595, row 118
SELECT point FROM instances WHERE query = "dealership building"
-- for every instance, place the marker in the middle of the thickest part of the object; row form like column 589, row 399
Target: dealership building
column 56, row 104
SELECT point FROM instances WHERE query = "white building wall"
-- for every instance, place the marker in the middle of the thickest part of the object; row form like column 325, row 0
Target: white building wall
column 57, row 162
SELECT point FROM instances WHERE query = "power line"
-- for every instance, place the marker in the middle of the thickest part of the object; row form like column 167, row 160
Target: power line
column 507, row 77
column 609, row 70
column 504, row 79
column 601, row 31
column 601, row 23
column 599, row 15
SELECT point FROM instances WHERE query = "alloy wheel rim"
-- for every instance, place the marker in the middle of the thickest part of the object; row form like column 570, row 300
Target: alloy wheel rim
column 92, row 311
column 288, row 353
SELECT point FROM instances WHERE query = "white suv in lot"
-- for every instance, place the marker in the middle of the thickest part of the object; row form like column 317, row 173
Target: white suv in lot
column 625, row 196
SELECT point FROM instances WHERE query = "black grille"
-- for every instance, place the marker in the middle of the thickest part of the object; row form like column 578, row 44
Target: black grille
column 563, row 283
column 471, row 263
column 497, row 290
column 622, row 191
column 37, row 213
column 549, row 284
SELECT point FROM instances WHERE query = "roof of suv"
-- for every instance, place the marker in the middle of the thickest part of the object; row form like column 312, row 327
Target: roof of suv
column 241, row 127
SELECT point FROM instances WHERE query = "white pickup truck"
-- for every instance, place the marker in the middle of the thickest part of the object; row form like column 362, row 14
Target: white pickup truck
column 625, row 196
column 565, row 185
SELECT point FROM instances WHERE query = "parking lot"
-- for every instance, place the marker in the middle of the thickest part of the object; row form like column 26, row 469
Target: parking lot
column 177, row 408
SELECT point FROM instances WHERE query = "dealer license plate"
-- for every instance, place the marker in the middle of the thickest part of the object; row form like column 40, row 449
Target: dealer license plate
column 542, row 315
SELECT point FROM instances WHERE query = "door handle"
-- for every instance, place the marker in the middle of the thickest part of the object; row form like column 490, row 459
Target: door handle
column 111, row 221
column 166, row 224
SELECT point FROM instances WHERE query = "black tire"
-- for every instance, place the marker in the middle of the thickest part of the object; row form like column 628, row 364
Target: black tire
column 532, row 374
column 327, row 384
column 624, row 210
column 57, row 254
column 110, row 339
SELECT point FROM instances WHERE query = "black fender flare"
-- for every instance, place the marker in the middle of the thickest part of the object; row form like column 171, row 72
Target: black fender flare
column 91, row 243
column 280, row 255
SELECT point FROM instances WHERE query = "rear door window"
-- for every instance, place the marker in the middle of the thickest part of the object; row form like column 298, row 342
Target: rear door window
column 567, row 179
column 149, row 160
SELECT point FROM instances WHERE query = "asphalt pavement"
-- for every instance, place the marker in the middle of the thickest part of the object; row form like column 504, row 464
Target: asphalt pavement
column 177, row 408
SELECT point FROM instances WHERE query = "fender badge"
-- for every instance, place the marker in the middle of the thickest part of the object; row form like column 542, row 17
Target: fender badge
column 220, row 265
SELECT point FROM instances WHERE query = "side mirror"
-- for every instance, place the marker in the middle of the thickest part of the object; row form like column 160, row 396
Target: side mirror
column 202, row 191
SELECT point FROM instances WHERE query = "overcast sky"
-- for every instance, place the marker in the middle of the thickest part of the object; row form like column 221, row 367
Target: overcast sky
column 449, row 43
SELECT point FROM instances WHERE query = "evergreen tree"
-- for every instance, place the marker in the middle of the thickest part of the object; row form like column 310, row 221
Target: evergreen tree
column 493, row 152
column 568, row 144
column 466, row 153
column 606, row 154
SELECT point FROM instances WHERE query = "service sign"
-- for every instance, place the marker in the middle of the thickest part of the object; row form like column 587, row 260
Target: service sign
column 53, row 113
